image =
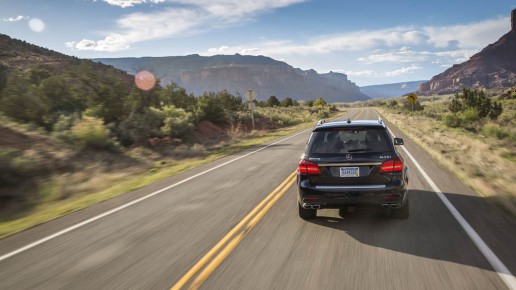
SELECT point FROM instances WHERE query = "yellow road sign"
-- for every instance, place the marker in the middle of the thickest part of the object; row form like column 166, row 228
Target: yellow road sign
column 412, row 98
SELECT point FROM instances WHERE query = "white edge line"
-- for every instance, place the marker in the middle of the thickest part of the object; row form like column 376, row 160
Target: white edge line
column 498, row 266
column 138, row 200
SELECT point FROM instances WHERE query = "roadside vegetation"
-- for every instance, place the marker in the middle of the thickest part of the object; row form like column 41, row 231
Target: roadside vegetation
column 472, row 133
column 73, row 137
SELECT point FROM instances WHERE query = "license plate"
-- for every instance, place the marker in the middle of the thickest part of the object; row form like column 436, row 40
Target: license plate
column 349, row 172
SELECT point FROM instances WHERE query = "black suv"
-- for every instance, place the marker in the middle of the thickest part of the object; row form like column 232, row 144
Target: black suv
column 352, row 163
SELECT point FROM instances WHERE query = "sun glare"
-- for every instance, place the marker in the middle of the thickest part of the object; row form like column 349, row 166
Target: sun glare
column 144, row 80
column 36, row 25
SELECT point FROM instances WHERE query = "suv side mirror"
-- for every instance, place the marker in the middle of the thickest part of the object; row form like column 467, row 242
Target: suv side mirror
column 398, row 141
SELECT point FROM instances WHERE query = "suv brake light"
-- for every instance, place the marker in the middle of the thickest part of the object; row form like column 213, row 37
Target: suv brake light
column 307, row 167
column 393, row 165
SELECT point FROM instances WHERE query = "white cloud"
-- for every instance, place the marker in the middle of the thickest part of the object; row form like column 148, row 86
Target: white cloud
column 130, row 3
column 363, row 73
column 15, row 19
column 373, row 74
column 461, row 40
column 473, row 35
column 110, row 43
column 404, row 54
column 70, row 44
column 253, row 50
column 219, row 50
column 402, row 71
column 190, row 17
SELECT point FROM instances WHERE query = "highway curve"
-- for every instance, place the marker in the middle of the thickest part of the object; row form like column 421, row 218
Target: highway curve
column 153, row 238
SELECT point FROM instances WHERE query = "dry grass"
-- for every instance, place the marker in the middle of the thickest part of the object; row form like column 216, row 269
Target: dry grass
column 464, row 153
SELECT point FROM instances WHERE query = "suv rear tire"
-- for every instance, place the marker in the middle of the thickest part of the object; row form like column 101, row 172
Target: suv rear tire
column 402, row 212
column 306, row 214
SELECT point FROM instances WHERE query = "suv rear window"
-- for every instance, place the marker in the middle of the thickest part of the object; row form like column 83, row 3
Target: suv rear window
column 349, row 140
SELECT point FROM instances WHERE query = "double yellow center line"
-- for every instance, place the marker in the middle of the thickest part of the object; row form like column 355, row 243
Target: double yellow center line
column 224, row 247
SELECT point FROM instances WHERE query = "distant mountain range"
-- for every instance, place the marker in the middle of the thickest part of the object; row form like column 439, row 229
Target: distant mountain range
column 390, row 90
column 492, row 68
column 239, row 73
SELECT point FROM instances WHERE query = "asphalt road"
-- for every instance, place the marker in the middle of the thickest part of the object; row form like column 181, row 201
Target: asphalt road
column 152, row 243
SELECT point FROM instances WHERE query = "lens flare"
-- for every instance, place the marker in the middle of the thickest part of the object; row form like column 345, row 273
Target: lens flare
column 145, row 80
column 37, row 25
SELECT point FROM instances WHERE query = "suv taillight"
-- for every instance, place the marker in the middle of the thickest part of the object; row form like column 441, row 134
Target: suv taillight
column 393, row 165
column 307, row 167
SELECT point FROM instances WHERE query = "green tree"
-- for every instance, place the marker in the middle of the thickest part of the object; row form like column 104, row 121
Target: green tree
column 3, row 76
column 319, row 102
column 475, row 101
column 455, row 106
column 177, row 122
column 38, row 74
column 272, row 101
column 22, row 101
column 174, row 95
column 221, row 107
column 59, row 95
column 287, row 102
column 138, row 127
column 309, row 103
column 496, row 111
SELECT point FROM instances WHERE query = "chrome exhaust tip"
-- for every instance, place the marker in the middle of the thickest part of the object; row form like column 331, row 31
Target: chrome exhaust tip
column 316, row 206
column 394, row 205
column 385, row 205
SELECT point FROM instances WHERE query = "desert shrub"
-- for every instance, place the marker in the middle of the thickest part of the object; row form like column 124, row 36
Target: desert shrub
column 469, row 116
column 139, row 127
column 453, row 120
column 319, row 102
column 495, row 131
column 284, row 116
column 477, row 100
column 177, row 122
column 407, row 106
column 7, row 170
column 392, row 103
column 91, row 132
column 61, row 128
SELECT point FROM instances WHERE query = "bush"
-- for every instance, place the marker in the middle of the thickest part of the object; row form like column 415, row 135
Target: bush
column 319, row 102
column 177, row 122
column 91, row 132
column 7, row 168
column 139, row 127
column 495, row 131
column 470, row 115
column 219, row 108
column 477, row 100
column 453, row 120
column 392, row 103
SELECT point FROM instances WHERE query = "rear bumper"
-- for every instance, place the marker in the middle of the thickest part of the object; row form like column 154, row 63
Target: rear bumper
column 338, row 196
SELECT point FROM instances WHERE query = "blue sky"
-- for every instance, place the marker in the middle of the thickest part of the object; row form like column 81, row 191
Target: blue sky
column 374, row 42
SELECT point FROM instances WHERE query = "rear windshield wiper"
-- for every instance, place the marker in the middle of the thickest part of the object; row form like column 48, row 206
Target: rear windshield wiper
column 358, row 150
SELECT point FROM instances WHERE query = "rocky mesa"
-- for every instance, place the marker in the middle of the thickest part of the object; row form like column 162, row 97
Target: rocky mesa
column 493, row 68
column 239, row 73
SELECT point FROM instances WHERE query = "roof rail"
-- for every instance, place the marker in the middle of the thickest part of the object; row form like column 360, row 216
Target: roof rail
column 349, row 121
column 322, row 121
column 380, row 121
